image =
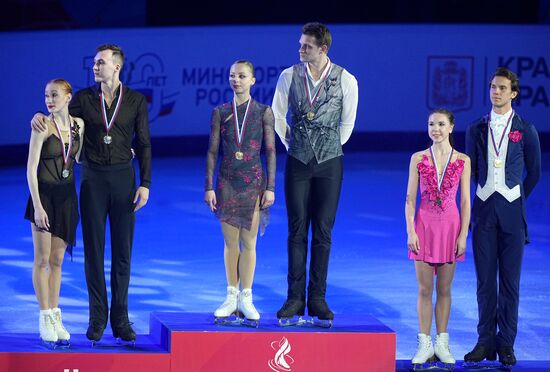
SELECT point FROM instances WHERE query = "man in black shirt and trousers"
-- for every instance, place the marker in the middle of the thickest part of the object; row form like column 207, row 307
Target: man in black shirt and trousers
column 114, row 115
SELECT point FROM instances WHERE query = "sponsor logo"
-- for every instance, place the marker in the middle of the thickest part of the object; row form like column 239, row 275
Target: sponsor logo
column 282, row 361
column 450, row 83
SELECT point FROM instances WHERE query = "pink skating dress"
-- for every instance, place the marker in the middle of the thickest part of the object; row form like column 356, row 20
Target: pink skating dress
column 437, row 222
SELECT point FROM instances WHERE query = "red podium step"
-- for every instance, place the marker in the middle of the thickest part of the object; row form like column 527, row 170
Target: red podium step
column 188, row 342
column 352, row 344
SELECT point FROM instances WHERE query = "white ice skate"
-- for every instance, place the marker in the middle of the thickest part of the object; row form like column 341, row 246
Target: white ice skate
column 46, row 327
column 227, row 312
column 424, row 358
column 443, row 351
column 246, row 307
column 63, row 336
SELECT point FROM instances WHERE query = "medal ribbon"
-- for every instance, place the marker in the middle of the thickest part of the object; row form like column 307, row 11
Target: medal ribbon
column 240, row 130
column 497, row 150
column 440, row 181
column 65, row 151
column 323, row 78
column 109, row 124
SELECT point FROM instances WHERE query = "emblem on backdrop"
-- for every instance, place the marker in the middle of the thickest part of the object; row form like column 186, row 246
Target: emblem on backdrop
column 450, row 82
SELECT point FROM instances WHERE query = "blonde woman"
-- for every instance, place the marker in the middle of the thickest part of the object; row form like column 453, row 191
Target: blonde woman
column 52, row 208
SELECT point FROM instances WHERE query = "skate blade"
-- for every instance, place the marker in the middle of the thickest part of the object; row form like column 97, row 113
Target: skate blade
column 322, row 323
column 297, row 320
column 95, row 342
column 444, row 366
column 485, row 365
column 122, row 342
column 52, row 345
column 232, row 320
column 63, row 344
column 250, row 322
column 428, row 366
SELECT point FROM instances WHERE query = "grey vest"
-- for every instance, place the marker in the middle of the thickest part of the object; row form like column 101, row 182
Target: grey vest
column 315, row 131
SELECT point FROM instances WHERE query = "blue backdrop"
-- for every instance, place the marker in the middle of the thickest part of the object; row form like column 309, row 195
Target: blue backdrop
column 403, row 70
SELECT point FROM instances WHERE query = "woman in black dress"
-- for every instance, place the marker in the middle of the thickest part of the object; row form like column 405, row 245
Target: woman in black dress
column 52, row 207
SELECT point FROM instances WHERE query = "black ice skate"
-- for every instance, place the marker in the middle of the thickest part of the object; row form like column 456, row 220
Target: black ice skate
column 481, row 357
column 94, row 333
column 506, row 357
column 292, row 313
column 320, row 313
column 124, row 333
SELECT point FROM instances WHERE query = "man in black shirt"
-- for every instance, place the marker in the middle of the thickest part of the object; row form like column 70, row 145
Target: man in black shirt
column 114, row 116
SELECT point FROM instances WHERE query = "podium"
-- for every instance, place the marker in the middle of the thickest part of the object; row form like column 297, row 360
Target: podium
column 189, row 342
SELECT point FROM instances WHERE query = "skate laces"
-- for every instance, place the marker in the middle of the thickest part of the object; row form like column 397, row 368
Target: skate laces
column 58, row 320
column 48, row 319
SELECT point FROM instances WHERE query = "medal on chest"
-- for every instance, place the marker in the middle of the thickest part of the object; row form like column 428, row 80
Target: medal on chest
column 310, row 115
column 438, row 199
column 498, row 163
column 65, row 147
column 108, row 139
column 240, row 129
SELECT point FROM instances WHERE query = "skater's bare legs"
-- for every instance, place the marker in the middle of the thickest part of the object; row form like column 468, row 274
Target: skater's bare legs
column 57, row 252
column 445, row 275
column 42, row 242
column 424, row 306
column 231, row 254
column 247, row 260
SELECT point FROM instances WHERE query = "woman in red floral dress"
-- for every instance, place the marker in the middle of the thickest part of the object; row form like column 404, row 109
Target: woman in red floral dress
column 437, row 233
column 243, row 193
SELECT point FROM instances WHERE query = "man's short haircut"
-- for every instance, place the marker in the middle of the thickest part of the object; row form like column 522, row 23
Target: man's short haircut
column 118, row 53
column 510, row 75
column 320, row 32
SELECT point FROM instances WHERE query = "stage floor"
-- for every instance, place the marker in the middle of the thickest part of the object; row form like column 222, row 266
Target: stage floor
column 178, row 257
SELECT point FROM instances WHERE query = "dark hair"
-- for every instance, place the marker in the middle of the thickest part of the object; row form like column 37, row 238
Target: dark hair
column 320, row 32
column 450, row 116
column 65, row 85
column 510, row 75
column 247, row 63
column 118, row 53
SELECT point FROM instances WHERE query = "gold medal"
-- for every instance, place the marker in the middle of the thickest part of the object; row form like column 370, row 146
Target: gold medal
column 497, row 163
column 310, row 115
column 239, row 155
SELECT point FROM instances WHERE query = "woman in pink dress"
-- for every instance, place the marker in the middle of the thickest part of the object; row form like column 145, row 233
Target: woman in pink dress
column 437, row 232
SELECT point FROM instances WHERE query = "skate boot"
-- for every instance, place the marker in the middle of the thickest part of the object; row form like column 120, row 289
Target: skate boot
column 424, row 358
column 95, row 332
column 320, row 313
column 226, row 314
column 63, row 336
column 443, row 351
column 246, row 307
column 477, row 355
column 46, row 324
column 292, row 313
column 506, row 357
column 124, row 333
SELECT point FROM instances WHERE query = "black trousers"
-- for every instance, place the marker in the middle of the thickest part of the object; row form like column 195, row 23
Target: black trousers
column 498, row 239
column 108, row 191
column 312, row 193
